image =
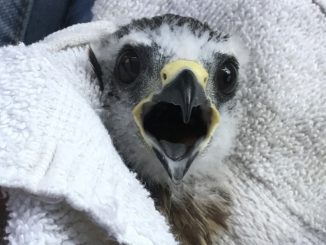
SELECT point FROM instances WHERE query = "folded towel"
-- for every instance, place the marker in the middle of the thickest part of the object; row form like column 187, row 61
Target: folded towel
column 55, row 154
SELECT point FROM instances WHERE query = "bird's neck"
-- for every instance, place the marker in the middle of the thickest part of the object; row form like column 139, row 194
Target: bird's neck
column 194, row 220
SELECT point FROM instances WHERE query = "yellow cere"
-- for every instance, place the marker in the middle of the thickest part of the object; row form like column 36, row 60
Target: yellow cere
column 171, row 70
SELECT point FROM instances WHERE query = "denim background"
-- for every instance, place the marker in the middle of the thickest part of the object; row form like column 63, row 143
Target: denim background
column 31, row 20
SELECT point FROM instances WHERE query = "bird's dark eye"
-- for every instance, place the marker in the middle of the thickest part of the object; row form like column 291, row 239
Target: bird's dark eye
column 127, row 67
column 226, row 77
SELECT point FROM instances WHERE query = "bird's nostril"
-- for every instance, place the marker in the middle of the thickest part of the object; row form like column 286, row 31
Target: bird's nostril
column 165, row 76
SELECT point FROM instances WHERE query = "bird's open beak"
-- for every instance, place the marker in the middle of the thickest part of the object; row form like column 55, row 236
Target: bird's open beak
column 178, row 122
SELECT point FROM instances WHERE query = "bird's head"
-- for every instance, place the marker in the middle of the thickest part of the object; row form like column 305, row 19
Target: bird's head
column 165, row 83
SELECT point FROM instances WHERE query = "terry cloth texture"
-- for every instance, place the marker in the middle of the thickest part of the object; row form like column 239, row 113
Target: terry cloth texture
column 65, row 179
column 57, row 161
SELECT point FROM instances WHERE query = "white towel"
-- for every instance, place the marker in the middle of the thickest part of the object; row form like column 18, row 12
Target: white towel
column 279, row 163
column 56, row 156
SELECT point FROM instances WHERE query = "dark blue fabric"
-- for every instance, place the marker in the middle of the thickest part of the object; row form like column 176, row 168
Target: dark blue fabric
column 14, row 16
column 79, row 12
column 49, row 16
column 46, row 17
column 31, row 20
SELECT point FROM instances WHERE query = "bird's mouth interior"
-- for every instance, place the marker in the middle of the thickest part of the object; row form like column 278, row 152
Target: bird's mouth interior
column 164, row 123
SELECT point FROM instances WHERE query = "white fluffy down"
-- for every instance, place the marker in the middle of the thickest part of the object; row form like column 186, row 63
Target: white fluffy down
column 174, row 42
column 178, row 43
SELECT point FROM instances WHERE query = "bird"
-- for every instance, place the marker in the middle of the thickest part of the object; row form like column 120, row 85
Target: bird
column 169, row 86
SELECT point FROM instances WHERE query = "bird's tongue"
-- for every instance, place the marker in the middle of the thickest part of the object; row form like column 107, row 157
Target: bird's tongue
column 174, row 151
